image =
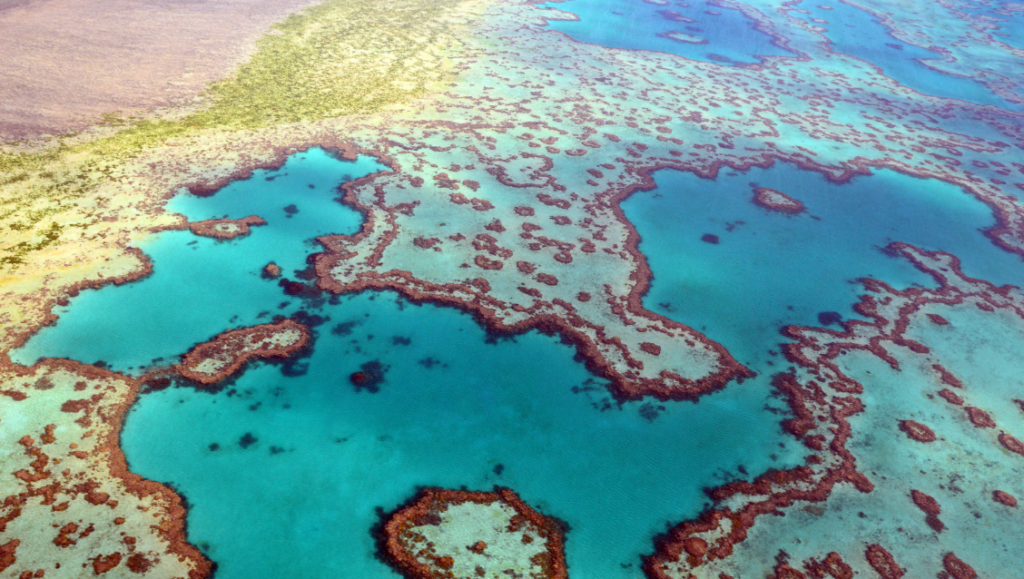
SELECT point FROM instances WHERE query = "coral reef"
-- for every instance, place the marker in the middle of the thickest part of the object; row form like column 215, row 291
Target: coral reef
column 69, row 506
column 224, row 355
column 447, row 533
column 225, row 228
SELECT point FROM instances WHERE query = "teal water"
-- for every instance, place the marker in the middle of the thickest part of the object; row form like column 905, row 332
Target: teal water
column 456, row 408
column 770, row 269
column 614, row 476
column 190, row 297
column 636, row 25
column 860, row 34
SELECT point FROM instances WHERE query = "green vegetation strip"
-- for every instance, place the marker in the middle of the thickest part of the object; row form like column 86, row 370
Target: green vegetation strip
column 338, row 58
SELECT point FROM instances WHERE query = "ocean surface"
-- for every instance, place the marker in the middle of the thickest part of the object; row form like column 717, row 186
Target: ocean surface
column 288, row 467
column 724, row 35
column 714, row 33
column 293, row 459
column 770, row 269
column 859, row 33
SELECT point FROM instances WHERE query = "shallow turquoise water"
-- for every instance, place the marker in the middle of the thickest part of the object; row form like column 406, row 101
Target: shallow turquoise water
column 616, row 478
column 191, row 295
column 636, row 25
column 770, row 269
column 300, row 501
column 326, row 456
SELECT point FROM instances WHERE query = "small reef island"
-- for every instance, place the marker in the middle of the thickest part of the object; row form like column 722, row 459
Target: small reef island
column 774, row 200
column 447, row 534
column 226, row 353
column 226, row 228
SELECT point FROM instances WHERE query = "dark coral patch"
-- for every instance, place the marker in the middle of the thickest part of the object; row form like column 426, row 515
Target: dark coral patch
column 917, row 431
column 1004, row 498
column 829, row 318
column 369, row 377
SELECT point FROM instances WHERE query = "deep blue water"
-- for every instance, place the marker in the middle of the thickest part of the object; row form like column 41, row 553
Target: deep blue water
column 1011, row 27
column 454, row 409
column 858, row 33
column 636, row 25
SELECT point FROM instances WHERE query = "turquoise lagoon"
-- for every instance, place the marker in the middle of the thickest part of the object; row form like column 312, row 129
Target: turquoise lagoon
column 636, row 25
column 285, row 468
column 202, row 286
column 770, row 269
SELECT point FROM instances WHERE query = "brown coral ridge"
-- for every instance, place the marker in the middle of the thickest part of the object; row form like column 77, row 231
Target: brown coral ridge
column 774, row 200
column 226, row 228
column 91, row 481
column 340, row 148
column 224, row 355
column 556, row 317
column 425, row 508
column 821, row 405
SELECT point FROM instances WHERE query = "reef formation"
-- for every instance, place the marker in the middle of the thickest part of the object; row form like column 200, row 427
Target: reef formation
column 225, row 228
column 448, row 533
column 510, row 147
column 70, row 506
column 224, row 355
column 827, row 387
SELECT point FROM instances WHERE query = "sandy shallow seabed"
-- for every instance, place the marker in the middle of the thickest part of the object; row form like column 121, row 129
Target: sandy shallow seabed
column 524, row 159
column 66, row 64
column 70, row 506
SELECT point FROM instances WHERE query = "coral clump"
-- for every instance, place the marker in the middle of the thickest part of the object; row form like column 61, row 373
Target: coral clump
column 979, row 417
column 931, row 508
column 957, row 568
column 426, row 538
column 226, row 228
column 917, row 431
column 271, row 271
column 1011, row 443
column 882, row 562
column 1004, row 498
